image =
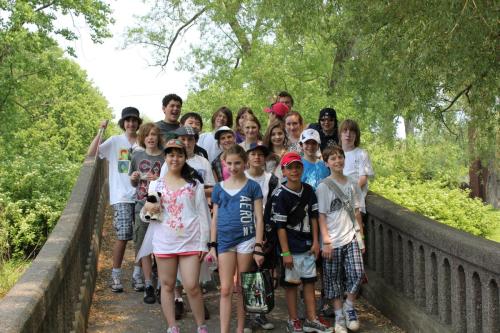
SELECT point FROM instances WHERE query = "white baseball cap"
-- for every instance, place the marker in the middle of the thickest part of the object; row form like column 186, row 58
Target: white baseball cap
column 310, row 134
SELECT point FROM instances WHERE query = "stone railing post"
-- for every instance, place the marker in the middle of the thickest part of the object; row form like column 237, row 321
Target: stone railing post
column 429, row 277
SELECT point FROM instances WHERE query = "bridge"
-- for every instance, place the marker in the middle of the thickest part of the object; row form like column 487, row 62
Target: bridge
column 423, row 275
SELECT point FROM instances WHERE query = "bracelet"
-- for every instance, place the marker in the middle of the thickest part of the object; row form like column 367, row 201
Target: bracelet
column 327, row 243
column 258, row 244
column 258, row 253
column 285, row 254
column 212, row 244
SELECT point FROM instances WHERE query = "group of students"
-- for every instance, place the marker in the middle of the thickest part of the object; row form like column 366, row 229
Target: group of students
column 290, row 199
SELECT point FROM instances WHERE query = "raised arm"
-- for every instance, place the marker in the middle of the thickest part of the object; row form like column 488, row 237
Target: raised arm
column 95, row 143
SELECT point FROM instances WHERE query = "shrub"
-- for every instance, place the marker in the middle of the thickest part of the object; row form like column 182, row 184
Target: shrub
column 452, row 207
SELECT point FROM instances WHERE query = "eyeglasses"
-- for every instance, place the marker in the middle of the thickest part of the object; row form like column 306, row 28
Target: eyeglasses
column 326, row 119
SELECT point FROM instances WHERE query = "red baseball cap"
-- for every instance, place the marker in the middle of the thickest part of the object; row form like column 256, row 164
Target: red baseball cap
column 279, row 109
column 289, row 158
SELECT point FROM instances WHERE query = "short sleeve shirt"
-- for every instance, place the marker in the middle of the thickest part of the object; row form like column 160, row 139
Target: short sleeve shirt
column 166, row 129
column 145, row 164
column 284, row 202
column 314, row 173
column 235, row 214
column 118, row 150
column 357, row 164
column 338, row 221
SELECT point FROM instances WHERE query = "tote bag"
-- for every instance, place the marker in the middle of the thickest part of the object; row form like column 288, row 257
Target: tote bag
column 257, row 289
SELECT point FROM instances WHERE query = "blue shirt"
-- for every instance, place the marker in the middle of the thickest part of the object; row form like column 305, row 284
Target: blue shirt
column 235, row 214
column 314, row 173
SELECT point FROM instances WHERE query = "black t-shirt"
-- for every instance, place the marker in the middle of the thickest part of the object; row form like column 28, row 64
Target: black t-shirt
column 287, row 206
column 326, row 140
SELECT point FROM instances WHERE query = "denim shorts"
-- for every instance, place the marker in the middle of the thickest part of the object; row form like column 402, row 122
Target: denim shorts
column 303, row 270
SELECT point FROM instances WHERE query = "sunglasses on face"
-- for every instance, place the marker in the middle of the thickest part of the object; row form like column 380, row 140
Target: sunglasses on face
column 326, row 119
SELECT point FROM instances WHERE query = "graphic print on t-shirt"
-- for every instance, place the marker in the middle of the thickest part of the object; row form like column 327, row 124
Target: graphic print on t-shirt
column 123, row 160
column 335, row 205
column 246, row 215
column 146, row 167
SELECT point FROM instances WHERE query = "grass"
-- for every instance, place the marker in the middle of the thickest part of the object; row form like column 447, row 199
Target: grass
column 10, row 272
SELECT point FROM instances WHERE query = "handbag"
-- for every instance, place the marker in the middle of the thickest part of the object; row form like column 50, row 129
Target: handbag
column 346, row 203
column 258, row 292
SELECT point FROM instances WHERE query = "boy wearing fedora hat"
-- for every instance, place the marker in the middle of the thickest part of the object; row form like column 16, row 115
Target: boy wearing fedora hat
column 118, row 150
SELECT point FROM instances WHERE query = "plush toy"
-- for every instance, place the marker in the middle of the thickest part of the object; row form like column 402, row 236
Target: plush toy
column 152, row 208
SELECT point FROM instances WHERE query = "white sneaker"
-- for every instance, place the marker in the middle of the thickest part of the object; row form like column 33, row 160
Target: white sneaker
column 137, row 283
column 340, row 327
column 116, row 284
column 351, row 319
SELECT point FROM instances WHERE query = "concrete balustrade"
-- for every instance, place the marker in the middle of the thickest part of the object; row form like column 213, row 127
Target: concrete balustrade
column 429, row 277
column 54, row 294
column 425, row 276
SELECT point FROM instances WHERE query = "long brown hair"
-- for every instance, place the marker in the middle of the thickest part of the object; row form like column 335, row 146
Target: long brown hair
column 267, row 137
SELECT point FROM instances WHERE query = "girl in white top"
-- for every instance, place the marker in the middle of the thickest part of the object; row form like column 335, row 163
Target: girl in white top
column 222, row 117
column 357, row 162
column 180, row 239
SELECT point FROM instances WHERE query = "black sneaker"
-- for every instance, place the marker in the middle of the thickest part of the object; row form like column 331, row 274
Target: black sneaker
column 158, row 295
column 261, row 320
column 179, row 309
column 207, row 313
column 149, row 295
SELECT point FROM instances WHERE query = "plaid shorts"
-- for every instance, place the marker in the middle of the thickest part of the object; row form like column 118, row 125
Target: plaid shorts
column 123, row 220
column 344, row 271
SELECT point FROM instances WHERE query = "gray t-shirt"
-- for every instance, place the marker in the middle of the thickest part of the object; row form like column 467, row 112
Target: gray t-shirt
column 166, row 129
column 145, row 163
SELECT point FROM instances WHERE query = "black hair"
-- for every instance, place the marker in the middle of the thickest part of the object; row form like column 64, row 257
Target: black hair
column 121, row 122
column 191, row 115
column 189, row 174
column 169, row 98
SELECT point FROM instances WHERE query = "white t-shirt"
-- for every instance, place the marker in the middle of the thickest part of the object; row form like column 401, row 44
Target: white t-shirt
column 201, row 165
column 117, row 150
column 357, row 163
column 207, row 141
column 263, row 181
column 340, row 227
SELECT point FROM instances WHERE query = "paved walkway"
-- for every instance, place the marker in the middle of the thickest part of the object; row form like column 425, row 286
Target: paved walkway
column 126, row 312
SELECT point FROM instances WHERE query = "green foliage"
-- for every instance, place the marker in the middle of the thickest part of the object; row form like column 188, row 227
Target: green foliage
column 452, row 207
column 416, row 160
column 49, row 114
column 424, row 177
column 428, row 62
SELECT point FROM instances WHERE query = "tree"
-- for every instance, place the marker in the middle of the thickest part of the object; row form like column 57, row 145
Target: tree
column 433, row 62
column 49, row 112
